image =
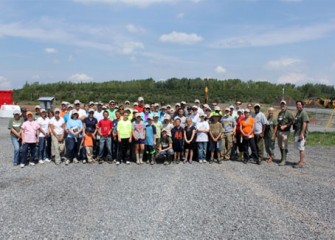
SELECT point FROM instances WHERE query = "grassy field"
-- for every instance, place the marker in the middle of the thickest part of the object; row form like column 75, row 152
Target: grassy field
column 319, row 139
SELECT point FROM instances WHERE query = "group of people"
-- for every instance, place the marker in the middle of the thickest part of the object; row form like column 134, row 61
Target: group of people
column 122, row 133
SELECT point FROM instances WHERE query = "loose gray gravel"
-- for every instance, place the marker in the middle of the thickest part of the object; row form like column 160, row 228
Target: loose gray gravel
column 228, row 201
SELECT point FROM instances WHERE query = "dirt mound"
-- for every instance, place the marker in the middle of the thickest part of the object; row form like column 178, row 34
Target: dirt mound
column 314, row 105
column 289, row 101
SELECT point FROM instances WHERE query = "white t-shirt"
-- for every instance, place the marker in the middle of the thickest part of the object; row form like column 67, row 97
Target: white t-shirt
column 44, row 124
column 57, row 125
column 202, row 136
column 99, row 115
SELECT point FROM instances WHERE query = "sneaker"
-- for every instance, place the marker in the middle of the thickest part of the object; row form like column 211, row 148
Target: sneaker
column 166, row 163
column 22, row 165
column 117, row 163
column 84, row 161
column 127, row 162
column 200, row 161
column 47, row 160
column 219, row 161
column 211, row 161
column 32, row 164
column 41, row 161
column 67, row 162
column 75, row 160
column 204, row 161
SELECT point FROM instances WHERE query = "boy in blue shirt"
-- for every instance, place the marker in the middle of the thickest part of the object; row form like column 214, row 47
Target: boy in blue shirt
column 150, row 140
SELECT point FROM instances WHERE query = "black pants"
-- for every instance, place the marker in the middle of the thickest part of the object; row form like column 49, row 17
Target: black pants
column 124, row 147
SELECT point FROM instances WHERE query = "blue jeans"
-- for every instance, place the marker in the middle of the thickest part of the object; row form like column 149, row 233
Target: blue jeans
column 165, row 153
column 44, row 148
column 202, row 150
column 105, row 141
column 25, row 148
column 72, row 148
column 115, row 149
column 16, row 145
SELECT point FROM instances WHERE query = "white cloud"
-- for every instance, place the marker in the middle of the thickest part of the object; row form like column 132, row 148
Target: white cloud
column 4, row 83
column 50, row 50
column 293, row 78
column 99, row 38
column 129, row 47
column 283, row 63
column 133, row 29
column 180, row 37
column 220, row 70
column 278, row 36
column 80, row 77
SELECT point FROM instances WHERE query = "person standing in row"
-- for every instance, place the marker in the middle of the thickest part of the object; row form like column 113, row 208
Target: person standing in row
column 189, row 139
column 247, row 131
column 14, row 127
column 260, row 123
column 57, row 131
column 300, row 132
column 285, row 121
column 124, row 129
column 150, row 141
column 138, row 133
column 105, row 128
column 215, row 133
column 44, row 145
column 29, row 140
column 202, row 138
column 269, row 134
column 177, row 140
column 74, row 128
column 229, row 127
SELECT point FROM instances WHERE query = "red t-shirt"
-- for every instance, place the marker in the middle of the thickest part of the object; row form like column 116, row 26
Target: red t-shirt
column 105, row 126
column 139, row 108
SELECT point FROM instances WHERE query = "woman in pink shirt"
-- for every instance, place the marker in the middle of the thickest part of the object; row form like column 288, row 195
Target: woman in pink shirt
column 29, row 139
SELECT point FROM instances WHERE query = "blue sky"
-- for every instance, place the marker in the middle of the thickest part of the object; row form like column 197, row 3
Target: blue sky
column 278, row 41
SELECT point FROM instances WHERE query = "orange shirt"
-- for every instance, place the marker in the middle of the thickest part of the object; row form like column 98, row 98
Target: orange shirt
column 247, row 126
column 62, row 113
column 88, row 141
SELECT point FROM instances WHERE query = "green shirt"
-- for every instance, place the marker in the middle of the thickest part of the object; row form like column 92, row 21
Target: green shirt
column 16, row 124
column 272, row 123
column 285, row 117
column 124, row 128
column 111, row 114
column 159, row 127
column 300, row 118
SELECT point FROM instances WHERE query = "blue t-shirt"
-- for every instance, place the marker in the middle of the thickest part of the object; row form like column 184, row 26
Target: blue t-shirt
column 90, row 124
column 150, row 132
column 66, row 117
column 75, row 125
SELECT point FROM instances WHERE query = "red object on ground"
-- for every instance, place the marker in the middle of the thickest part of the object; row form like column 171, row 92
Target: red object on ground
column 6, row 97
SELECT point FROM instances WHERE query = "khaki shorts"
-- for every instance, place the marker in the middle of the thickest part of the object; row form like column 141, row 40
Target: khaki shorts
column 300, row 145
column 283, row 139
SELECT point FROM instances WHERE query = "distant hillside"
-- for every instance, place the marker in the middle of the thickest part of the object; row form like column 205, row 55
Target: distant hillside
column 170, row 91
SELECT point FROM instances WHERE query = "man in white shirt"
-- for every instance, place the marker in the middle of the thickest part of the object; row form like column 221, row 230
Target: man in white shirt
column 81, row 112
column 57, row 129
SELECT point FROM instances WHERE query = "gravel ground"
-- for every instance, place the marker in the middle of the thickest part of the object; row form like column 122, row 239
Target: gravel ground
column 228, row 201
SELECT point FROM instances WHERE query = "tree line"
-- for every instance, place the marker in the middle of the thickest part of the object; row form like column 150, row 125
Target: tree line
column 171, row 90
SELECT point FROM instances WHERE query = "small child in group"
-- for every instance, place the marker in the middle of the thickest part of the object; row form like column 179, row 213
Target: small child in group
column 87, row 142
column 159, row 126
column 215, row 133
column 150, row 141
column 202, row 138
column 138, row 133
column 177, row 140
column 189, row 137
column 165, row 151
